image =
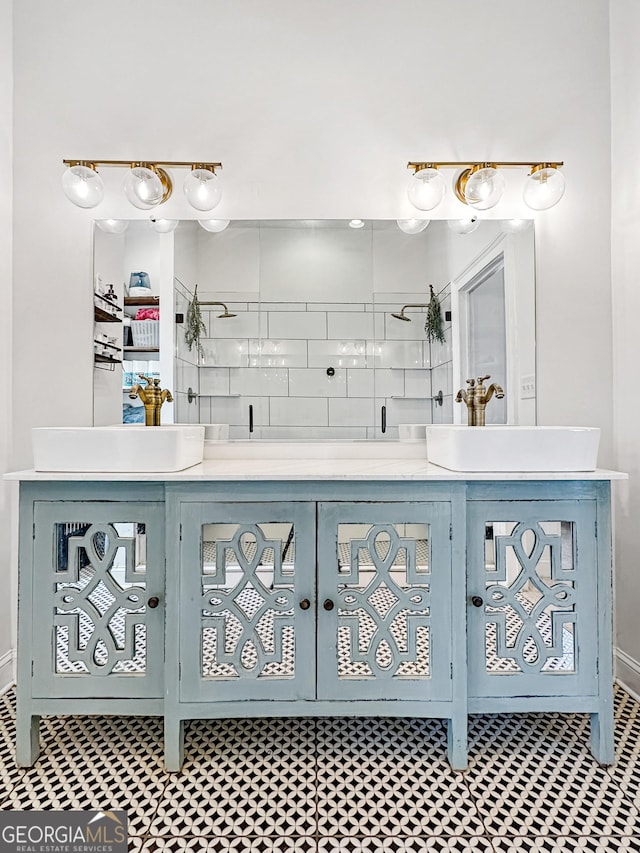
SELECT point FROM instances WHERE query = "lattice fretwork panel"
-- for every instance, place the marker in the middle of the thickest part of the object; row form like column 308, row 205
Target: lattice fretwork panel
column 530, row 597
column 99, row 598
column 383, row 601
column 248, row 574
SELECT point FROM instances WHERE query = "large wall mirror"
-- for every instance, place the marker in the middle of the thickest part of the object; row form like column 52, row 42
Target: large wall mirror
column 318, row 328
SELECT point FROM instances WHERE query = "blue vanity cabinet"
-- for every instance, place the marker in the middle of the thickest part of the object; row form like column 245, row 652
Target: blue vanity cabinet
column 539, row 602
column 219, row 598
column 91, row 607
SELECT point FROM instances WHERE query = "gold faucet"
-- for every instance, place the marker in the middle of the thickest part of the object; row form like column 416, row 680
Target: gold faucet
column 152, row 397
column 482, row 397
column 468, row 398
column 476, row 398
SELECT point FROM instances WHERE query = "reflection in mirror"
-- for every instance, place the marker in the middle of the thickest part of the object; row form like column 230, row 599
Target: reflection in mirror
column 314, row 330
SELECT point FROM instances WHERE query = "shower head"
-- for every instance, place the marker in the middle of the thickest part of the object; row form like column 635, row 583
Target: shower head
column 403, row 316
column 226, row 314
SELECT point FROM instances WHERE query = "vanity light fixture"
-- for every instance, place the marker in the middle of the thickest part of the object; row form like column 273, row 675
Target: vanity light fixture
column 463, row 226
column 214, row 225
column 112, row 226
column 412, row 226
column 516, row 226
column 163, row 226
column 481, row 184
column 146, row 184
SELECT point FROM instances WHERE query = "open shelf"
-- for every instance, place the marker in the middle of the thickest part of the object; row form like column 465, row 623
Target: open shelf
column 141, row 349
column 102, row 316
column 154, row 301
column 105, row 359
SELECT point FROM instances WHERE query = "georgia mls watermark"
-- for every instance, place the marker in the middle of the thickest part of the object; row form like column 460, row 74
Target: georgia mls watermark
column 63, row 832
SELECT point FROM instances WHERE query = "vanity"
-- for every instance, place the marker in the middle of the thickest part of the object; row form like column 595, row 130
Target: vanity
column 380, row 585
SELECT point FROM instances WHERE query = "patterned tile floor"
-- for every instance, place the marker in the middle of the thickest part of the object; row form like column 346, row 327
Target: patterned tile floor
column 334, row 785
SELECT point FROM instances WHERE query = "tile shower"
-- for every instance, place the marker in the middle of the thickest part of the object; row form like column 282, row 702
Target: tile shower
column 314, row 370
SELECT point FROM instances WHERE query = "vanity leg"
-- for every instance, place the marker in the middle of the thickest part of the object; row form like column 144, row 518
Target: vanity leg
column 602, row 736
column 27, row 739
column 173, row 745
column 457, row 742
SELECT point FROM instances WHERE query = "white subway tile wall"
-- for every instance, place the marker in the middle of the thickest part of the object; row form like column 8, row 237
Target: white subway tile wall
column 297, row 325
column 316, row 382
column 298, row 411
column 321, row 370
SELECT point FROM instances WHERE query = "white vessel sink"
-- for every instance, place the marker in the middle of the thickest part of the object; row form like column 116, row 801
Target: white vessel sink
column 513, row 448
column 123, row 448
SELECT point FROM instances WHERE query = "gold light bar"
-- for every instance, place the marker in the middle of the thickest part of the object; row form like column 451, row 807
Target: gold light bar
column 192, row 164
column 432, row 164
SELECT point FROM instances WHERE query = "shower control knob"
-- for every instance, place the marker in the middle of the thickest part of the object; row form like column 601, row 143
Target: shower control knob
column 305, row 604
column 328, row 604
column 476, row 601
column 153, row 602
column 331, row 371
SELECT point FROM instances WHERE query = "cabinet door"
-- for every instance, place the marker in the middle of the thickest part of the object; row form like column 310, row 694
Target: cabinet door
column 532, row 598
column 384, row 600
column 247, row 601
column 98, row 580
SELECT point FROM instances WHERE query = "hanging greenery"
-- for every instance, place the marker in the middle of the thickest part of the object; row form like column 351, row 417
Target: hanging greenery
column 195, row 326
column 433, row 323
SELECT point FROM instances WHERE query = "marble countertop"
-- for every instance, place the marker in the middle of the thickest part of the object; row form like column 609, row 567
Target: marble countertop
column 388, row 469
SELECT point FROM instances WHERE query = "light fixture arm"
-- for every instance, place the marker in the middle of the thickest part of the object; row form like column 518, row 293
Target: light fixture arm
column 417, row 165
column 93, row 164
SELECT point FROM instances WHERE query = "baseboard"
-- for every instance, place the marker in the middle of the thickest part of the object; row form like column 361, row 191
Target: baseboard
column 7, row 675
column 628, row 673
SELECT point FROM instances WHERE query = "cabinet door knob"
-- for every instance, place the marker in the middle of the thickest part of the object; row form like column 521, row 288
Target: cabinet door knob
column 476, row 601
column 328, row 604
column 153, row 602
column 305, row 604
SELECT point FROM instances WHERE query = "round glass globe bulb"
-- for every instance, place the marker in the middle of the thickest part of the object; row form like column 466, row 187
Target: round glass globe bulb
column 83, row 186
column 543, row 188
column 516, row 226
column 463, row 226
column 484, row 188
column 356, row 223
column 143, row 188
column 112, row 226
column 214, row 225
column 426, row 189
column 413, row 226
column 164, row 226
column 202, row 189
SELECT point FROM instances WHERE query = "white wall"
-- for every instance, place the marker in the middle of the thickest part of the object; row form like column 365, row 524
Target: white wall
column 314, row 108
column 625, row 135
column 6, row 87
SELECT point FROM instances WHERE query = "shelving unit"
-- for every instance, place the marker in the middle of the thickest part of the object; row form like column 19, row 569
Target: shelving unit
column 106, row 311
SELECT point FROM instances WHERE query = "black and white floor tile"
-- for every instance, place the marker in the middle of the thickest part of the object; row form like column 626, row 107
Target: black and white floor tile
column 340, row 785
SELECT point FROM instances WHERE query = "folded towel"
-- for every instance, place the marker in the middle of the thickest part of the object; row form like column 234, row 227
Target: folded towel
column 148, row 314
